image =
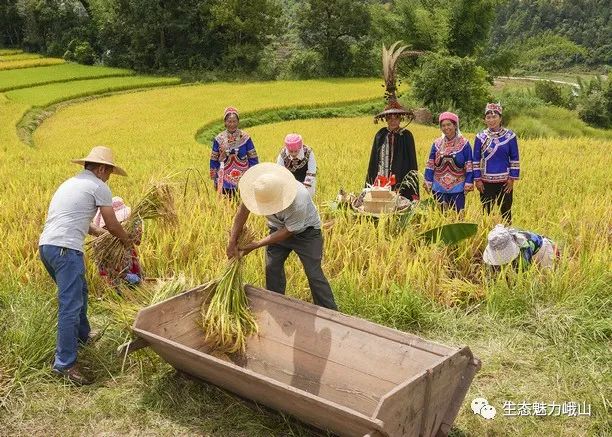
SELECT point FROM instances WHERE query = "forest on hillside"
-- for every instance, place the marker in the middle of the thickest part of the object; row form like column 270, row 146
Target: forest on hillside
column 272, row 39
column 461, row 45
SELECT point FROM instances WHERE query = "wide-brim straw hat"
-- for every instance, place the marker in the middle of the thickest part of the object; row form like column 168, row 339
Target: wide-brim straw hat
column 394, row 107
column 501, row 247
column 101, row 155
column 267, row 188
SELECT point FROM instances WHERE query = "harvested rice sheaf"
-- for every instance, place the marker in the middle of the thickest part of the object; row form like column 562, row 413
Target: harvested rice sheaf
column 227, row 320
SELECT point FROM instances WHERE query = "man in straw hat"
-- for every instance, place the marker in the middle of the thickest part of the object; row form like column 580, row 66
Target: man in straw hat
column 71, row 211
column 271, row 190
column 507, row 245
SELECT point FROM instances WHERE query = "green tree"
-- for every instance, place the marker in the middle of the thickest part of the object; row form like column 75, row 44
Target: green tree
column 50, row 25
column 243, row 29
column 423, row 25
column 469, row 26
column 331, row 27
column 11, row 24
column 554, row 94
column 445, row 81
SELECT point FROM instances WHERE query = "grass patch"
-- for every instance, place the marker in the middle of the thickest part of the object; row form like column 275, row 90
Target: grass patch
column 28, row 63
column 206, row 134
column 552, row 121
column 45, row 95
column 14, row 79
column 530, row 117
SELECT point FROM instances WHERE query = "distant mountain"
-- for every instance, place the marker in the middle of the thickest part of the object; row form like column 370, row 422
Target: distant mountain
column 585, row 23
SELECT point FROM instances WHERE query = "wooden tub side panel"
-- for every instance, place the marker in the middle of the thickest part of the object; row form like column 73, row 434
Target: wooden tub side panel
column 315, row 374
column 420, row 406
column 354, row 322
column 305, row 406
column 324, row 356
column 153, row 317
column 178, row 318
column 461, row 390
column 350, row 346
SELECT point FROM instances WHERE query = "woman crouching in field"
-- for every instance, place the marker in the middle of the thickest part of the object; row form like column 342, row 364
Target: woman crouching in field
column 299, row 159
column 496, row 163
column 233, row 153
column 448, row 173
column 129, row 271
column 520, row 248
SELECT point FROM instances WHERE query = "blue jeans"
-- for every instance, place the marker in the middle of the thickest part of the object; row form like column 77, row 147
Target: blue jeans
column 67, row 268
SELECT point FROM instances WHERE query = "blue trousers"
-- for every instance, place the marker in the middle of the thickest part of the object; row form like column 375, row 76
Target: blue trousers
column 67, row 268
column 452, row 200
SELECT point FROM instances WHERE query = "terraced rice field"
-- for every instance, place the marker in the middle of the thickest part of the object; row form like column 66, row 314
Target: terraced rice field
column 27, row 63
column 542, row 336
column 24, row 78
column 44, row 95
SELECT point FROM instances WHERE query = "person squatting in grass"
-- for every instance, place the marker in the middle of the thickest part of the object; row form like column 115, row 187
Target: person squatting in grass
column 448, row 173
column 233, row 153
column 496, row 163
column 69, row 217
column 507, row 245
column 271, row 190
column 299, row 159
column 130, row 271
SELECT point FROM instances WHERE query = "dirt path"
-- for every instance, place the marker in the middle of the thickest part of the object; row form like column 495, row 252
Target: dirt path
column 536, row 79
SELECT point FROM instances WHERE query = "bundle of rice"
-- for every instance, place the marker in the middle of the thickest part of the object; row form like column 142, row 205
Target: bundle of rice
column 124, row 306
column 158, row 202
column 227, row 320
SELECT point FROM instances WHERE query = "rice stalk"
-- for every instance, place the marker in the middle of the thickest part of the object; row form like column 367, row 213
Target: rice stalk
column 227, row 320
column 125, row 306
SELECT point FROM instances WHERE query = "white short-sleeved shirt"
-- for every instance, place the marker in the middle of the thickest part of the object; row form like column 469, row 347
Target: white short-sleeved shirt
column 72, row 208
column 298, row 216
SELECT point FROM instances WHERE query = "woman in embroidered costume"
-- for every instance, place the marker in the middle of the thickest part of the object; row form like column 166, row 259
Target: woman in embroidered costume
column 393, row 156
column 299, row 159
column 448, row 173
column 496, row 162
column 233, row 153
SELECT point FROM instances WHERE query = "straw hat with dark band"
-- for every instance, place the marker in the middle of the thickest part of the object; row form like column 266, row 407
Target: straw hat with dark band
column 101, row 155
column 267, row 188
column 394, row 107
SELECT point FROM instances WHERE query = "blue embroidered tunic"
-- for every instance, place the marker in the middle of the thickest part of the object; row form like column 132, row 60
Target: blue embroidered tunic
column 237, row 153
column 496, row 156
column 449, row 168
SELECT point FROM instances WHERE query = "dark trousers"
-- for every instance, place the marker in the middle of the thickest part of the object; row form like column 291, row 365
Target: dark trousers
column 494, row 194
column 308, row 245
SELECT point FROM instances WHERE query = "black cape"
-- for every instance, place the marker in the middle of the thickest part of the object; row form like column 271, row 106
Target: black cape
column 404, row 165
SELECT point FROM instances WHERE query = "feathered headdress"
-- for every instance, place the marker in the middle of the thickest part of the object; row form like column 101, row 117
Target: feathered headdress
column 389, row 61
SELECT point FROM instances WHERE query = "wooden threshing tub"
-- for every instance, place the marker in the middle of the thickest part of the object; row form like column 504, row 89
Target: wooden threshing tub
column 336, row 372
